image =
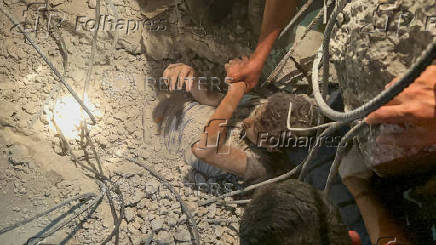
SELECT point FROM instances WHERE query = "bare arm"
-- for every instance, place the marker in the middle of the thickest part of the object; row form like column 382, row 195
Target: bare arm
column 276, row 16
column 212, row 148
column 378, row 221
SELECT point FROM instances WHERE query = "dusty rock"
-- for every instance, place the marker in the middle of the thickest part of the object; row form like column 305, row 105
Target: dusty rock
column 136, row 239
column 219, row 230
column 157, row 224
column 19, row 155
column 136, row 198
column 164, row 237
column 151, row 187
column 182, row 235
column 138, row 223
column 131, row 228
column 374, row 56
column 130, row 214
column 145, row 228
column 152, row 9
column 172, row 221
column 31, row 107
column 91, row 4
column 158, row 46
column 211, row 211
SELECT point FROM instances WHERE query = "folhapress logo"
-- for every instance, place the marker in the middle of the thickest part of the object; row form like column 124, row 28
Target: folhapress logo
column 41, row 20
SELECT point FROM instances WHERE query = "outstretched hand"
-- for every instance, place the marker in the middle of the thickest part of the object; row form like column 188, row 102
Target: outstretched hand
column 178, row 74
column 246, row 69
column 416, row 105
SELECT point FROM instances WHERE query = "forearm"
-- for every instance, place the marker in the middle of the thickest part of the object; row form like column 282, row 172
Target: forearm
column 378, row 221
column 212, row 148
column 218, row 121
column 276, row 16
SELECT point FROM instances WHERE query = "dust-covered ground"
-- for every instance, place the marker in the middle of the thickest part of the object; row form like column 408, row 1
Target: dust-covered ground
column 37, row 168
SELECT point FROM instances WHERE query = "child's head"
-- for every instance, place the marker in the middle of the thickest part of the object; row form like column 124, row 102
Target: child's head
column 270, row 119
column 291, row 212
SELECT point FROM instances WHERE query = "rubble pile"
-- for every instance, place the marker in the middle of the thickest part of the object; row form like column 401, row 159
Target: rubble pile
column 37, row 169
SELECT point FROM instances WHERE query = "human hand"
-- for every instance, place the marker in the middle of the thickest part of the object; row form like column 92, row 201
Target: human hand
column 416, row 105
column 177, row 75
column 246, row 69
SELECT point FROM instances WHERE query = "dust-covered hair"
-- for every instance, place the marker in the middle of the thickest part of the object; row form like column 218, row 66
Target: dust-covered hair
column 291, row 213
column 272, row 117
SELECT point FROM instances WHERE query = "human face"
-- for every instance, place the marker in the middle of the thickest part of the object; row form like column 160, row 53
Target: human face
column 251, row 132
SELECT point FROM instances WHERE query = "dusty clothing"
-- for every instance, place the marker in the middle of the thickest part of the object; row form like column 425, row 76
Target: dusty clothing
column 192, row 124
column 194, row 119
column 260, row 164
